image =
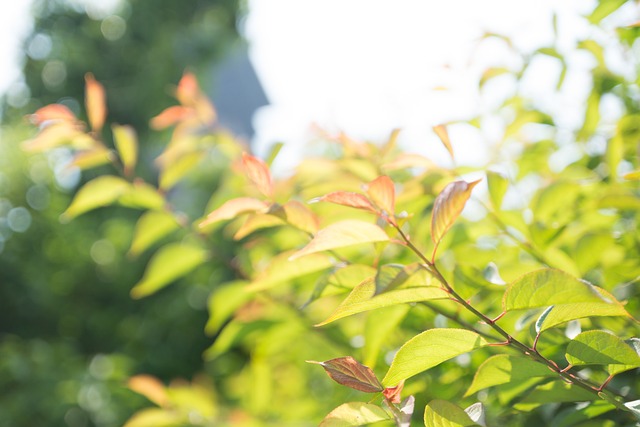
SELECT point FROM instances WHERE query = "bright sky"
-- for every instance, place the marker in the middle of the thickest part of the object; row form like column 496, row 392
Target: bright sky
column 368, row 66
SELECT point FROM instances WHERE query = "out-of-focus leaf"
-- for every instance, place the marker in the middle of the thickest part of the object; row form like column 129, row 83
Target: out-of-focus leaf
column 175, row 171
column 383, row 194
column 91, row 158
column 52, row 113
column 440, row 413
column 258, row 173
column 443, row 134
column 407, row 407
column 255, row 222
column 633, row 176
column 102, row 191
column 56, row 135
column 281, row 270
column 150, row 387
column 127, row 145
column 554, row 392
column 168, row 264
column 95, row 102
column 223, row 302
column 232, row 208
column 634, row 407
column 602, row 348
column 350, row 373
column 170, row 116
column 378, row 326
column 347, row 198
column 297, row 215
column 188, row 90
column 428, row 349
column 151, row 227
column 363, row 298
column 142, row 195
column 490, row 73
column 497, row 188
column 354, row 414
column 341, row 234
column 591, row 117
column 448, row 206
column 504, row 369
column 155, row 417
column 604, row 9
column 407, row 160
column 562, row 313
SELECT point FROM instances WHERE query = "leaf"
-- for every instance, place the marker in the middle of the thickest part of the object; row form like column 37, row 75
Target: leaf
column 102, row 191
column 232, row 208
column 632, row 176
column 441, row 131
column 440, row 413
column 52, row 112
column 505, row 369
column 476, row 413
column 350, row 373
column 392, row 394
column 383, row 194
column 448, row 206
column 95, row 102
column 151, row 227
column 257, row 221
column 362, row 299
column 150, row 387
column 298, row 215
column 542, row 318
column 188, row 90
column 168, row 264
column 347, row 198
column 258, row 173
column 281, row 270
column 428, row 349
column 155, row 417
column 142, row 195
column 174, row 171
column 604, row 9
column 223, row 302
column 554, row 392
column 379, row 325
column 56, row 135
column 602, row 348
column 354, row 414
column 497, row 188
column 127, row 145
column 91, row 158
column 341, row 234
column 170, row 116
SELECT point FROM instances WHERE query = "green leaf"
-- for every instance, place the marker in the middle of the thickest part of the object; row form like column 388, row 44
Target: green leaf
column 232, row 208
column 176, row 170
column 497, row 188
column 440, row 413
column 151, row 227
column 542, row 318
column 378, row 326
column 429, row 349
column 282, row 270
column 604, row 9
column 223, row 302
column 102, row 191
column 126, row 143
column 448, row 206
column 343, row 233
column 168, row 264
column 554, row 392
column 350, row 373
column 354, row 414
column 504, row 369
column 155, row 417
column 363, row 298
column 602, row 348
column 142, row 195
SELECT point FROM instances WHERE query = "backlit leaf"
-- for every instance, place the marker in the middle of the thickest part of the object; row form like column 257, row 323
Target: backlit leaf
column 632, row 176
column 448, row 206
column 170, row 116
column 52, row 112
column 127, row 145
column 354, row 414
column 168, row 264
column 428, row 349
column 440, row 413
column 232, row 208
column 174, row 171
column 602, row 348
column 95, row 102
column 258, row 173
column 102, row 191
column 497, row 188
column 441, row 131
column 151, row 227
column 504, row 369
column 347, row 198
column 155, row 417
column 150, row 387
column 554, row 392
column 56, row 135
column 255, row 222
column 349, row 372
column 223, row 302
column 378, row 326
column 297, row 215
column 362, row 298
column 91, row 158
column 142, row 195
column 282, row 270
column 187, row 91
column 341, row 234
column 383, row 194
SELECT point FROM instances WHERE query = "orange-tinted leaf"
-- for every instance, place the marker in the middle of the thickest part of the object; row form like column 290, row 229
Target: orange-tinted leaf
column 393, row 393
column 234, row 207
column 382, row 192
column 409, row 160
column 56, row 112
column 170, row 116
column 257, row 221
column 52, row 136
column 299, row 216
column 448, row 206
column 188, row 90
column 95, row 102
column 341, row 234
column 348, row 198
column 150, row 387
column 349, row 372
column 258, row 173
column 442, row 133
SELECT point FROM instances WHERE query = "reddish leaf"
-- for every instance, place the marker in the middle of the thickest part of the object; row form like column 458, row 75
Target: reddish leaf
column 448, row 206
column 442, row 133
column 232, row 208
column 393, row 393
column 95, row 102
column 347, row 198
column 383, row 194
column 258, row 173
column 56, row 112
column 188, row 91
column 170, row 116
column 349, row 372
column 150, row 387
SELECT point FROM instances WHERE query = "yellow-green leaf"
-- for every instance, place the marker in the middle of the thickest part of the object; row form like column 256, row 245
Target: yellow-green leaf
column 91, row 158
column 257, row 221
column 142, row 195
column 232, row 208
column 554, row 392
column 102, row 191
column 448, row 206
column 428, row 349
column 443, row 134
column 126, row 143
column 354, row 414
column 440, row 413
column 297, row 215
column 362, row 298
column 151, row 227
column 168, row 264
column 497, row 188
column 223, row 302
column 176, row 170
column 341, row 234
column 281, row 270
column 602, row 348
column 155, row 417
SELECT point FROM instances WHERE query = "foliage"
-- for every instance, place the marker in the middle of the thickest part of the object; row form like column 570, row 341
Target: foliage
column 522, row 314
